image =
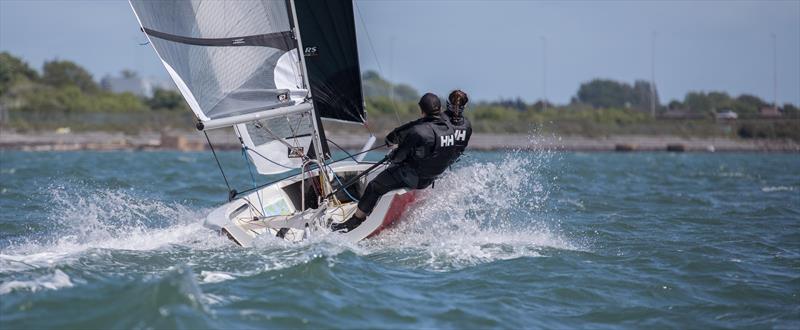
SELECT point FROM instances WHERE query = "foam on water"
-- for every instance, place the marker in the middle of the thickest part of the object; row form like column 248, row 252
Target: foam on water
column 671, row 243
column 53, row 281
column 470, row 217
column 215, row 277
column 777, row 188
column 82, row 220
column 465, row 220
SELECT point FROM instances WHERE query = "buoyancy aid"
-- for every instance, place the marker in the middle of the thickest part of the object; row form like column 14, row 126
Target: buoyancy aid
column 463, row 129
column 442, row 149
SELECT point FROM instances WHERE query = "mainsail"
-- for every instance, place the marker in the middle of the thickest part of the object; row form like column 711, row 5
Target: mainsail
column 237, row 64
column 331, row 55
column 226, row 57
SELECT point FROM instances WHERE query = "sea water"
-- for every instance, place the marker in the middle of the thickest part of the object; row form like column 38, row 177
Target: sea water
column 504, row 240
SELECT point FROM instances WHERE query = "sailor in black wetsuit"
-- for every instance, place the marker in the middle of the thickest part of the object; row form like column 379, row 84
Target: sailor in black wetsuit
column 456, row 103
column 425, row 148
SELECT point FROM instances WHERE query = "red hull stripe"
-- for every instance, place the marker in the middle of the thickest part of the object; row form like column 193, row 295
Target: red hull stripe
column 397, row 208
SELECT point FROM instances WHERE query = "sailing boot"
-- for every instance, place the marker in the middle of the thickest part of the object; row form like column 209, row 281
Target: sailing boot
column 347, row 226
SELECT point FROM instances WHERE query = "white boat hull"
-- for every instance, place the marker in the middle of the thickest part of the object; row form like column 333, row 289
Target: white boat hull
column 277, row 210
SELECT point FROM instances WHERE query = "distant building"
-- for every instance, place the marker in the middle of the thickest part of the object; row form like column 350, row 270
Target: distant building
column 769, row 112
column 131, row 83
column 727, row 115
column 681, row 114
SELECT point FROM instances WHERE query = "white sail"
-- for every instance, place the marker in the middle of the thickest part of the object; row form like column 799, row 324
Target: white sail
column 237, row 64
column 277, row 144
column 228, row 58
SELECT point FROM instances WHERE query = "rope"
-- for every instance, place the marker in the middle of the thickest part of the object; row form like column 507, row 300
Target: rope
column 355, row 179
column 267, row 159
column 366, row 125
column 314, row 183
column 291, row 175
column 342, row 149
column 252, row 177
column 336, row 176
column 259, row 154
column 218, row 164
column 277, row 138
column 253, row 207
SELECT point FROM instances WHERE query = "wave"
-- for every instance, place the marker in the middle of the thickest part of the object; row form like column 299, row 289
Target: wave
column 481, row 212
column 776, row 188
column 54, row 281
column 81, row 220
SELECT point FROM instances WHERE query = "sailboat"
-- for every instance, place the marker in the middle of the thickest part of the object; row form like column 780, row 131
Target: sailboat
column 239, row 66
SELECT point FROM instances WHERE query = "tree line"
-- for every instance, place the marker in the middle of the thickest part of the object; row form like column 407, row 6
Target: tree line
column 64, row 87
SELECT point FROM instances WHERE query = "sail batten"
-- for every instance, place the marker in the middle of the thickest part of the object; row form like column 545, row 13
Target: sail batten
column 278, row 40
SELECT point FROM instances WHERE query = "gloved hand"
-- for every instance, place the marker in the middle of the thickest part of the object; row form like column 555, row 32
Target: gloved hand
column 347, row 226
column 391, row 153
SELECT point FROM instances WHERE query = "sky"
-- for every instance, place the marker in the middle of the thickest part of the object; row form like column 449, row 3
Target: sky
column 491, row 49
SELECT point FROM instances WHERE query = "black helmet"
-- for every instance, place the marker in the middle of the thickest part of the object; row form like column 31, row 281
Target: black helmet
column 430, row 104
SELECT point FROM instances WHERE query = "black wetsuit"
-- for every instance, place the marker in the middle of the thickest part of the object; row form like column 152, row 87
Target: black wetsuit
column 425, row 149
column 463, row 129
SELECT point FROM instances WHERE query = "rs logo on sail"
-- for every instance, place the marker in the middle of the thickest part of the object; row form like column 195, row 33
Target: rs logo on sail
column 449, row 140
column 310, row 51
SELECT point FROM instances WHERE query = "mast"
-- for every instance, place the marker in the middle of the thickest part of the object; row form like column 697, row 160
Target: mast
column 315, row 138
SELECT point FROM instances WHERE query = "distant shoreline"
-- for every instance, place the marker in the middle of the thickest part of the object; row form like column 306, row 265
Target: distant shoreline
column 194, row 141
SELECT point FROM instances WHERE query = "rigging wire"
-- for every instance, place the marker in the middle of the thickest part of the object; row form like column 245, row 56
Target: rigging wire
column 218, row 163
column 291, row 175
column 224, row 177
column 369, row 39
column 275, row 136
column 249, row 169
column 374, row 54
column 267, row 159
column 313, row 183
column 359, row 176
column 343, row 150
column 252, row 177
column 294, row 135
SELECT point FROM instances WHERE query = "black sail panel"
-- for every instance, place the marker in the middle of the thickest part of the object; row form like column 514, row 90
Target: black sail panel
column 328, row 32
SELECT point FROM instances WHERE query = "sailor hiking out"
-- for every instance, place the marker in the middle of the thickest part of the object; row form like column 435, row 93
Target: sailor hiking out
column 456, row 103
column 275, row 89
column 425, row 148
